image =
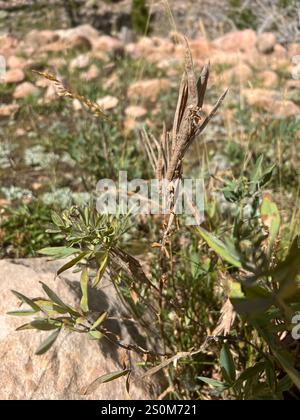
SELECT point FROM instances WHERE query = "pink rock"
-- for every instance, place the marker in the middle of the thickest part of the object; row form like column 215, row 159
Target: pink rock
column 135, row 111
column 148, row 89
column 108, row 102
column 8, row 110
column 236, row 41
column 293, row 49
column 83, row 35
column 108, row 44
column 266, row 42
column 92, row 73
column 240, row 73
column 80, row 62
column 293, row 85
column 201, row 48
column 270, row 101
column 14, row 62
column 268, row 78
column 36, row 38
column 14, row 76
column 24, row 90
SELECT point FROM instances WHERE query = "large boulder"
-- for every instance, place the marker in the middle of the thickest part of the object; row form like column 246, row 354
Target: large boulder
column 74, row 361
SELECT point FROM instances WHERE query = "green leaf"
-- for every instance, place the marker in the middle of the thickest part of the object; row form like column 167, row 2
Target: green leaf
column 105, row 378
column 73, row 262
column 227, row 363
column 45, row 324
column 283, row 358
column 251, row 372
column 48, row 343
column 53, row 296
column 26, row 300
column 101, row 270
column 95, row 335
column 212, row 382
column 56, row 219
column 220, row 248
column 84, row 289
column 271, row 219
column 58, row 251
column 99, row 321
column 21, row 313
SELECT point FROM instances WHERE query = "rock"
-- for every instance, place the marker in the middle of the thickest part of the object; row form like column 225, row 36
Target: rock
column 77, row 106
column 262, row 98
column 13, row 62
column 240, row 73
column 293, row 85
column 8, row 110
column 135, row 111
column 108, row 102
column 285, row 109
column 201, row 48
column 293, row 50
column 268, row 78
column 148, row 89
column 14, row 76
column 74, row 361
column 271, row 101
column 80, row 62
column 108, row 44
column 236, row 41
column 80, row 36
column 36, row 38
column 24, row 90
column 266, row 42
column 92, row 73
column 8, row 45
column 50, row 94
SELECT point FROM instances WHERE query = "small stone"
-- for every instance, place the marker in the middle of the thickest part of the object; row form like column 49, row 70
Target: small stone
column 8, row 110
column 268, row 78
column 135, row 111
column 148, row 89
column 77, row 106
column 108, row 44
column 266, row 42
column 80, row 62
column 92, row 73
column 24, row 90
column 14, row 76
column 108, row 102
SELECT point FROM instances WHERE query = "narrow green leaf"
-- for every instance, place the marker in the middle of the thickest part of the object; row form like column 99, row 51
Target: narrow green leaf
column 53, row 296
column 105, row 378
column 227, row 362
column 21, row 313
column 73, row 262
column 99, row 321
column 56, row 219
column 271, row 219
column 84, row 289
column 95, row 335
column 101, row 270
column 48, row 343
column 45, row 324
column 26, row 300
column 220, row 248
column 251, row 372
column 212, row 382
column 58, row 251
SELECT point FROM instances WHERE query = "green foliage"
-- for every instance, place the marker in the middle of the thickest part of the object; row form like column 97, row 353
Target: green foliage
column 243, row 17
column 139, row 16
